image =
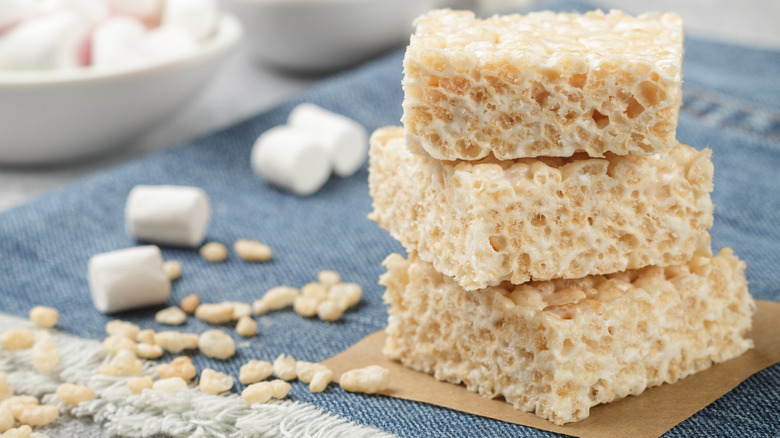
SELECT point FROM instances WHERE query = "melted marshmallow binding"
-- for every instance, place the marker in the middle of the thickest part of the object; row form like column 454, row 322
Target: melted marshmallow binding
column 542, row 84
column 559, row 347
column 487, row 221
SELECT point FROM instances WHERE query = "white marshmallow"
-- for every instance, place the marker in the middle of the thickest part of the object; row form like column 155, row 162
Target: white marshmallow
column 117, row 42
column 291, row 159
column 45, row 42
column 14, row 11
column 165, row 43
column 128, row 279
column 198, row 17
column 93, row 11
column 168, row 215
column 148, row 11
column 345, row 139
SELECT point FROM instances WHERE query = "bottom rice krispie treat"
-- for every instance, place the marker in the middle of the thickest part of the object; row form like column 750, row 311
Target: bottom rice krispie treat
column 558, row 347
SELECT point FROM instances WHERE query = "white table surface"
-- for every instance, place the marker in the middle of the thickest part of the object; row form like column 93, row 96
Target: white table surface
column 244, row 87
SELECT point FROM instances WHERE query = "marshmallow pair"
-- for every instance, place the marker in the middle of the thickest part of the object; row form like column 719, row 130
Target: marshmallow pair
column 301, row 155
column 134, row 277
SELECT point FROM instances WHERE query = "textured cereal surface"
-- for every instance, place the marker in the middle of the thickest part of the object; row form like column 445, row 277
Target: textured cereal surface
column 559, row 347
column 488, row 221
column 542, row 84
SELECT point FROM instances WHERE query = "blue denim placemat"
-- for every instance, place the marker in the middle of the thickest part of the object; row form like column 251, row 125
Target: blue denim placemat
column 732, row 105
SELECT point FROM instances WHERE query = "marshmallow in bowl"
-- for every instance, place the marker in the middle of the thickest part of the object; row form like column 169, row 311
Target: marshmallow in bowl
column 148, row 11
column 49, row 41
column 128, row 279
column 344, row 139
column 291, row 159
column 168, row 215
column 14, row 11
column 198, row 17
column 116, row 41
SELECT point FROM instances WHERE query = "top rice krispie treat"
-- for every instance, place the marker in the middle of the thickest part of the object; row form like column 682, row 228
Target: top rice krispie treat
column 542, row 84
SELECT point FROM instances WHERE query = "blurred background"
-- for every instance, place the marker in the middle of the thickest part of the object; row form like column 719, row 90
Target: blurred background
column 245, row 83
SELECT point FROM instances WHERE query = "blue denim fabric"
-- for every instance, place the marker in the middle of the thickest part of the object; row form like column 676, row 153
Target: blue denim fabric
column 732, row 106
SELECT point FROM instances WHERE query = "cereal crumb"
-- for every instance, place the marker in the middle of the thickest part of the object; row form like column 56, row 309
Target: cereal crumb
column 180, row 366
column 114, row 343
column 149, row 351
column 176, row 342
column 320, row 380
column 246, row 327
column 284, row 367
column 145, row 337
column 345, row 295
column 172, row 385
column 240, row 309
column 71, row 393
column 216, row 344
column 190, row 303
column 124, row 328
column 45, row 356
column 138, row 384
column 259, row 392
column 172, row 269
column 171, row 316
column 214, row 382
column 255, row 371
column 280, row 388
column 329, row 278
column 329, row 311
column 275, row 298
column 371, row 379
column 43, row 316
column 215, row 313
column 17, row 339
column 315, row 290
column 306, row 306
column 252, row 250
column 126, row 363
column 214, row 252
column 38, row 415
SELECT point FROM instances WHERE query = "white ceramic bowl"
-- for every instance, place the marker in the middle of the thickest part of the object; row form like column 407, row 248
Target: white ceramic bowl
column 49, row 117
column 319, row 36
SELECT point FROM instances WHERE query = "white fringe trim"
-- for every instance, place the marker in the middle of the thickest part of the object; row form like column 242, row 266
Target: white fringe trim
column 188, row 413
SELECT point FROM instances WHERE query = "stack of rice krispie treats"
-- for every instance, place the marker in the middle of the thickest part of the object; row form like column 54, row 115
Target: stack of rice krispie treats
column 558, row 252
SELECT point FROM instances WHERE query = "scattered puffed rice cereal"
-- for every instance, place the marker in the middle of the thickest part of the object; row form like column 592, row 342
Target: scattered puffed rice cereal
column 320, row 380
column 371, row 379
column 145, row 337
column 252, row 250
column 307, row 370
column 259, row 392
column 214, row 252
column 315, row 290
column 176, row 342
column 114, row 343
column 43, row 316
column 284, row 367
column 329, row 278
column 38, row 415
column 216, row 344
column 124, row 328
column 180, row 366
column 240, row 309
column 149, row 351
column 45, row 356
column 215, row 313
column 280, row 388
column 255, row 371
column 275, row 298
column 329, row 311
column 172, row 269
column 306, row 306
column 171, row 316
column 246, row 327
column 172, row 385
column 138, row 384
column 17, row 339
column 190, row 303
column 214, row 382
column 70, row 393
column 345, row 295
column 6, row 419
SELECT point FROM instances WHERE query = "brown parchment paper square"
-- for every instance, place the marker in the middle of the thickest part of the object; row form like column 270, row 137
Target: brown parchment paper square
column 661, row 407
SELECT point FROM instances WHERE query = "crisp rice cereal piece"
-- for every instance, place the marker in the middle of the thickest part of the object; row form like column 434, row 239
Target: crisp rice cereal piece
column 216, row 344
column 214, row 252
column 171, row 316
column 145, row 336
column 45, row 356
column 23, row 431
column 124, row 328
column 149, row 351
column 255, row 371
column 306, row 306
column 252, row 250
column 370, row 380
column 560, row 347
column 328, row 278
column 44, row 316
column 320, row 380
column 280, row 388
column 17, row 339
column 240, row 309
column 315, row 290
column 329, row 311
column 38, row 415
column 214, row 382
column 345, row 295
column 138, row 384
column 171, row 385
column 114, row 343
column 275, row 298
column 190, row 303
column 542, row 84
column 215, row 313
column 259, row 392
column 126, row 363
column 172, row 269
column 176, row 342
column 485, row 222
column 72, row 393
column 246, row 327
column 284, row 367
column 180, row 366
